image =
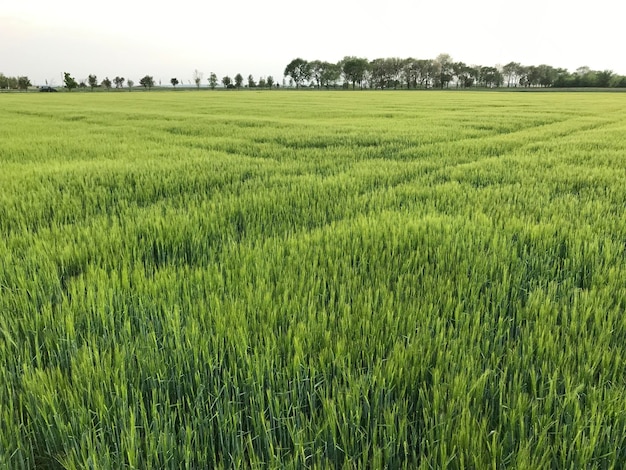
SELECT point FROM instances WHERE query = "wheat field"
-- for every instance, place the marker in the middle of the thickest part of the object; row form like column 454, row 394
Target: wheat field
column 313, row 280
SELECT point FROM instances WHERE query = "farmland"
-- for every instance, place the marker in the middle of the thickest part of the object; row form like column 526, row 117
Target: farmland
column 313, row 280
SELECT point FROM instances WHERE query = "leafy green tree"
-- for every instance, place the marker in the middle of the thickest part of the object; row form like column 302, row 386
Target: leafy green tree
column 93, row 81
column 491, row 77
column 385, row 73
column 354, row 70
column 410, row 72
column 4, row 81
column 251, row 83
column 584, row 77
column 379, row 75
column 270, row 81
column 147, row 82
column 462, row 73
column 324, row 73
column 70, row 82
column 427, row 71
column 119, row 82
column 130, row 84
column 394, row 71
column 316, row 68
column 262, row 83
column 299, row 70
column 473, row 72
column 417, row 72
column 563, row 79
column 212, row 81
column 522, row 75
column 533, row 76
column 238, row 80
column 603, row 78
column 547, row 75
column 443, row 64
column 331, row 73
column 174, row 82
column 106, row 83
column 23, row 83
column 618, row 81
column 511, row 72
column 227, row 81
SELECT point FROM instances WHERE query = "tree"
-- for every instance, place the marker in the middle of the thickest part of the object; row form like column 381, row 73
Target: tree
column 238, row 80
column 270, row 81
column 317, row 68
column 130, row 84
column 563, row 79
column 212, row 81
column 354, row 70
column 251, row 83
column 174, row 82
column 197, row 78
column 119, row 82
column 147, row 82
column 378, row 74
column 618, row 81
column 262, row 83
column 106, row 83
column 603, row 78
column 512, row 71
column 410, row 72
column 532, row 76
column 385, row 73
column 547, row 75
column 93, row 81
column 417, row 72
column 23, row 83
column 522, row 75
column 443, row 65
column 586, row 76
column 227, row 82
column 4, row 81
column 427, row 70
column 491, row 77
column 331, row 74
column 69, row 81
column 394, row 65
column 299, row 70
column 462, row 74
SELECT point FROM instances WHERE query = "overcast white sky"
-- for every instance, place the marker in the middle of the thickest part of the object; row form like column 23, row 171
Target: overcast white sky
column 43, row 38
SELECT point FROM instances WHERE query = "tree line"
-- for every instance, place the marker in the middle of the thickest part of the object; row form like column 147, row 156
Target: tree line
column 14, row 83
column 70, row 83
column 148, row 82
column 383, row 73
column 441, row 72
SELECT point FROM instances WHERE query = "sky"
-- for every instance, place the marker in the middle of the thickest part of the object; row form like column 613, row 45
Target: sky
column 43, row 39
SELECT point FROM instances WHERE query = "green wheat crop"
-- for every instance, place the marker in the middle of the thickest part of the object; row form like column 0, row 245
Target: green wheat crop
column 313, row 280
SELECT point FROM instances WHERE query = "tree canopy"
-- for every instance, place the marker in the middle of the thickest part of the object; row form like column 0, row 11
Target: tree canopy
column 299, row 70
column 70, row 82
column 147, row 82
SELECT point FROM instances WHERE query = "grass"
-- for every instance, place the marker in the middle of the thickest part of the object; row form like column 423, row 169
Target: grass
column 313, row 280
